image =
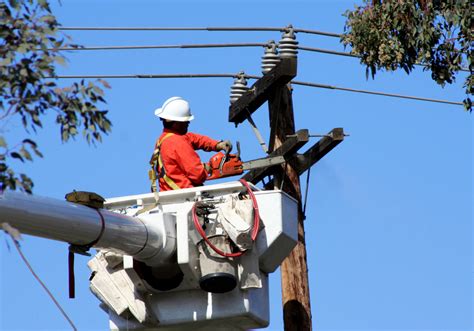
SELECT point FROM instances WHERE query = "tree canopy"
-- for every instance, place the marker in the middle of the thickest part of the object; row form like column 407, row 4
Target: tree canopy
column 30, row 43
column 393, row 34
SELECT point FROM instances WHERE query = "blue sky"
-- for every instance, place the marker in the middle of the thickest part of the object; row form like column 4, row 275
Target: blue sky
column 389, row 216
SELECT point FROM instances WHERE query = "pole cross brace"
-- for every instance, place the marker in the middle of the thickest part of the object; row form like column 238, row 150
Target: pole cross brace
column 300, row 162
column 303, row 162
column 288, row 149
column 261, row 90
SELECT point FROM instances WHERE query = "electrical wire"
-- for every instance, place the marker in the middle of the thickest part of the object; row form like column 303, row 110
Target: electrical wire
column 317, row 85
column 393, row 95
column 221, row 28
column 41, row 282
column 331, row 52
column 145, row 76
column 321, row 33
column 279, row 29
column 125, row 47
column 226, row 45
column 327, row 51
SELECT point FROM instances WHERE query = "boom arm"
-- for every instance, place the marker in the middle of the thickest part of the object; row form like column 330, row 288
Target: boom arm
column 78, row 225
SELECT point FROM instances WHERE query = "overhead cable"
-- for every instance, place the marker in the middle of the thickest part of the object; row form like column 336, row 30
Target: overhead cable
column 281, row 29
column 28, row 265
column 376, row 93
column 146, row 76
column 221, row 28
column 101, row 48
column 227, row 45
column 321, row 33
column 327, row 51
column 317, row 85
column 331, row 52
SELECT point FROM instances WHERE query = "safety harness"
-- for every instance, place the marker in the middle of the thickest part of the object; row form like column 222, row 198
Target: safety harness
column 157, row 167
column 158, row 171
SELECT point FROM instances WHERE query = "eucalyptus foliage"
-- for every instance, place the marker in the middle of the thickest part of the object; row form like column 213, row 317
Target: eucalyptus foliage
column 30, row 43
column 393, row 34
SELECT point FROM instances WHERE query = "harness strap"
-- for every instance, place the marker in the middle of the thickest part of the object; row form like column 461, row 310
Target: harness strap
column 157, row 161
column 83, row 250
column 71, row 277
column 157, row 166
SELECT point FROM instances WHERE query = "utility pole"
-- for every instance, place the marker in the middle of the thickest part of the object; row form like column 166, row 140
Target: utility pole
column 274, row 87
column 294, row 269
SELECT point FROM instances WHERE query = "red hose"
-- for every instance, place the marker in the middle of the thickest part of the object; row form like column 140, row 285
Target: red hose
column 256, row 224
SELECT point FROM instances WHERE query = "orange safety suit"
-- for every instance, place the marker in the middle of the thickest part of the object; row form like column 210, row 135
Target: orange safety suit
column 179, row 161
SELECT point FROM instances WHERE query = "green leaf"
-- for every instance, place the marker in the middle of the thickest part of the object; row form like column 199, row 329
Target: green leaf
column 104, row 83
column 26, row 154
column 30, row 142
column 48, row 19
column 5, row 62
column 14, row 3
column 64, row 135
column 37, row 152
column 15, row 155
column 3, row 143
column 43, row 3
column 36, row 120
column 60, row 60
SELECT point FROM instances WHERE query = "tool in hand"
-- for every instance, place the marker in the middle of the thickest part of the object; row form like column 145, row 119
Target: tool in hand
column 225, row 165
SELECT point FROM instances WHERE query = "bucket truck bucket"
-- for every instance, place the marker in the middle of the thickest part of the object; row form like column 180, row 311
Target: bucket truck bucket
column 246, row 304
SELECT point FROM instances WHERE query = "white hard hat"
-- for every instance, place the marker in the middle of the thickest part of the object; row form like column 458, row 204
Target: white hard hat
column 175, row 109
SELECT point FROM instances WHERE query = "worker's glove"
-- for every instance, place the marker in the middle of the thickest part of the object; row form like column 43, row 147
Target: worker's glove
column 224, row 145
column 207, row 167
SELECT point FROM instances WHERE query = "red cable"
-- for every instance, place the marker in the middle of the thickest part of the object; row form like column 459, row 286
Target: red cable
column 256, row 224
column 256, row 214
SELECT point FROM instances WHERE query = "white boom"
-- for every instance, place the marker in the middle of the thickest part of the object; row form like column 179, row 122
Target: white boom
column 78, row 225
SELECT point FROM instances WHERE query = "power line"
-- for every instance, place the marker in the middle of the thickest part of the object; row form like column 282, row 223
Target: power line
column 377, row 93
column 226, row 75
column 321, row 33
column 331, row 52
column 327, row 51
column 222, row 28
column 227, row 45
column 25, row 260
column 279, row 29
column 171, row 29
column 97, row 48
column 147, row 76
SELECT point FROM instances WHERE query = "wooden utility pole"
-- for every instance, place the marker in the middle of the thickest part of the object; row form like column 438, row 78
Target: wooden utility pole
column 294, row 269
column 284, row 141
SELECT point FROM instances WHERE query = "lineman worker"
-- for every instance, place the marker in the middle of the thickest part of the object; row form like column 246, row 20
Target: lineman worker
column 175, row 162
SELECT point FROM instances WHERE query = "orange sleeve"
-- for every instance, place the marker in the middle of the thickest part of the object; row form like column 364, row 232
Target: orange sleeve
column 202, row 142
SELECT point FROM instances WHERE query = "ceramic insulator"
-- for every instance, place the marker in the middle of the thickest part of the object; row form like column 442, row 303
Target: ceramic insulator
column 238, row 88
column 288, row 46
column 271, row 58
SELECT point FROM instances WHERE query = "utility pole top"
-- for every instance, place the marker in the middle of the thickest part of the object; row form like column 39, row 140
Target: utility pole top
column 260, row 91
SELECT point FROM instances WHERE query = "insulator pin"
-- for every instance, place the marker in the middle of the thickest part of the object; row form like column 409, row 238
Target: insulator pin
column 271, row 58
column 288, row 46
column 239, row 87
